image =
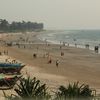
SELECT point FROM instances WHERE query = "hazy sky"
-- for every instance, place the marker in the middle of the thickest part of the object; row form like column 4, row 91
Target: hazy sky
column 55, row 14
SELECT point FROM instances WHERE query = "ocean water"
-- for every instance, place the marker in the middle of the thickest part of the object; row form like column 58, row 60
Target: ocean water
column 72, row 37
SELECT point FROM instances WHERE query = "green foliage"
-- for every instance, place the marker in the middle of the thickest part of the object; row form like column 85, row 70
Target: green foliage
column 5, row 26
column 32, row 89
column 74, row 91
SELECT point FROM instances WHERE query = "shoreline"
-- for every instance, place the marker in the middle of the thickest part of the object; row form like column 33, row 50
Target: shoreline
column 83, row 46
column 37, row 40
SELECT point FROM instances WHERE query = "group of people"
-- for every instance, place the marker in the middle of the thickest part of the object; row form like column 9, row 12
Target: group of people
column 5, row 52
column 50, row 61
column 49, row 58
column 12, row 61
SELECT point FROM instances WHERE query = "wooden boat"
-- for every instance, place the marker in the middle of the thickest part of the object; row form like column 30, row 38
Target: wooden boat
column 11, row 67
column 8, row 81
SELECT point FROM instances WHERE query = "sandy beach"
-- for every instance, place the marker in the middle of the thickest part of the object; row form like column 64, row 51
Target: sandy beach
column 77, row 64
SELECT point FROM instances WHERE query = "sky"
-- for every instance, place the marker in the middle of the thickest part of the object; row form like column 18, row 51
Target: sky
column 55, row 14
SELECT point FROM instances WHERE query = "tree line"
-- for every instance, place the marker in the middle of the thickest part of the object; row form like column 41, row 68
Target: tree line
column 15, row 26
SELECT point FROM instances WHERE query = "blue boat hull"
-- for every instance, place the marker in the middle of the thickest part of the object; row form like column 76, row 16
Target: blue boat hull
column 10, row 68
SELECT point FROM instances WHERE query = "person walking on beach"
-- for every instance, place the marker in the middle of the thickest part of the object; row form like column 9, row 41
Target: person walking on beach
column 57, row 63
column 62, row 53
column 50, row 61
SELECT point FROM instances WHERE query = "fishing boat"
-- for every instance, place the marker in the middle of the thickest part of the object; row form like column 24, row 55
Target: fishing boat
column 11, row 67
column 8, row 81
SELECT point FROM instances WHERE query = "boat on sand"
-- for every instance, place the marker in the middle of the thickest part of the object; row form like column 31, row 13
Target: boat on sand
column 11, row 67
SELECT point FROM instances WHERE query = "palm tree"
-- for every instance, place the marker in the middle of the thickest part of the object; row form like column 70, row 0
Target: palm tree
column 74, row 91
column 32, row 89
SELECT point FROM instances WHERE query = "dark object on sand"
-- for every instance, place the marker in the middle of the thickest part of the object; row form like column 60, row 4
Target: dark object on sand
column 34, row 55
column 50, row 61
column 9, row 44
column 0, row 53
column 62, row 53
